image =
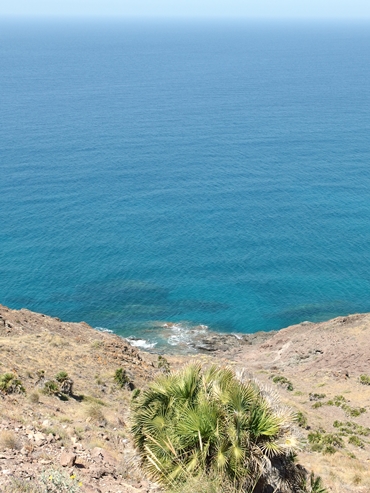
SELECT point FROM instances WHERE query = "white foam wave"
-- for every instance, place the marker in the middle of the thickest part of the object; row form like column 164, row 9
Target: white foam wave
column 141, row 343
column 103, row 329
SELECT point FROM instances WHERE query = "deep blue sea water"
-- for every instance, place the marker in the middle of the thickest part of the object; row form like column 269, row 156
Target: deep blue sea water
column 195, row 172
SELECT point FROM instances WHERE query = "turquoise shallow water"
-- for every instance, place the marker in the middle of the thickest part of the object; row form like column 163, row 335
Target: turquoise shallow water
column 197, row 173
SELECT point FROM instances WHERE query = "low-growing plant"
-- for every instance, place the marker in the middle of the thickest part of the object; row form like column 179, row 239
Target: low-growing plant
column 327, row 443
column 121, row 378
column 8, row 439
column 34, row 397
column 364, row 379
column 283, row 381
column 10, row 384
column 61, row 376
column 338, row 401
column 50, row 387
column 313, row 485
column 95, row 413
column 316, row 397
column 354, row 412
column 17, row 485
column 317, row 405
column 301, row 419
column 350, row 428
column 354, row 440
column 135, row 393
column 163, row 364
column 55, row 481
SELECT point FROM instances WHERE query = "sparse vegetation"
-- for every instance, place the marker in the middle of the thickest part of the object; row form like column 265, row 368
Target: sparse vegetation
column 316, row 397
column 326, row 443
column 351, row 428
column 364, row 379
column 340, row 401
column 354, row 440
column 317, row 405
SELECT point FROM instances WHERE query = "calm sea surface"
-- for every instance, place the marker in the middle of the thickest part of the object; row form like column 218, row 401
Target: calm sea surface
column 196, row 173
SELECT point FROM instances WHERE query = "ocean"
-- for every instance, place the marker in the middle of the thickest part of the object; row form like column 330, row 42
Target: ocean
column 164, row 177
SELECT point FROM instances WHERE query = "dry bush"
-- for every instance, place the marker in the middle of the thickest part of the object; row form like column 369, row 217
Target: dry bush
column 8, row 439
column 95, row 413
column 34, row 397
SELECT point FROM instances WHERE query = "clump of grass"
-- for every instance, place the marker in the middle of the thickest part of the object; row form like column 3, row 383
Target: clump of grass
column 93, row 400
column 313, row 484
column 364, row 379
column 136, row 393
column 354, row 440
column 326, row 443
column 95, row 413
column 121, row 378
column 21, row 486
column 97, row 344
column 301, row 419
column 163, row 364
column 8, row 439
column 351, row 428
column 316, row 397
column 61, row 376
column 354, row 412
column 338, row 401
column 283, row 381
column 9, row 384
column 50, row 388
column 317, row 405
column 34, row 397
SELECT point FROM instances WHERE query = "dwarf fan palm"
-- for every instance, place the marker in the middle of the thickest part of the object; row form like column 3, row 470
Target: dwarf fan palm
column 208, row 422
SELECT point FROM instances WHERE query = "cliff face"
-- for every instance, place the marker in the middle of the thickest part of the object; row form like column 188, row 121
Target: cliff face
column 315, row 368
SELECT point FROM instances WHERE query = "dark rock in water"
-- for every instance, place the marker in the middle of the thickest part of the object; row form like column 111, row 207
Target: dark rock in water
column 224, row 342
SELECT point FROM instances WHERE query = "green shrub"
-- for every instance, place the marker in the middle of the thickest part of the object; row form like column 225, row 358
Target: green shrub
column 50, row 387
column 283, row 381
column 163, row 364
column 61, row 376
column 313, row 485
column 354, row 440
column 301, row 419
column 316, row 397
column 136, row 393
column 317, row 405
column 121, row 378
column 9, row 384
column 364, row 379
column 54, row 481
column 195, row 422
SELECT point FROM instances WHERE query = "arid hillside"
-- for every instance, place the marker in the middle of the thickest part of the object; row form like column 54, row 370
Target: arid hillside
column 318, row 369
